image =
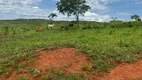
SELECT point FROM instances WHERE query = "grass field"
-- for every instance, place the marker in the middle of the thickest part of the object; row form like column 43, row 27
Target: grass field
column 117, row 44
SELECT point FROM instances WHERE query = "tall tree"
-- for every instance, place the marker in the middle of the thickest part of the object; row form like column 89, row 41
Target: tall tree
column 52, row 15
column 73, row 7
column 136, row 17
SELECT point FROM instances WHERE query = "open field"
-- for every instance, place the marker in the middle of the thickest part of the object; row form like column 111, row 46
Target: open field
column 106, row 48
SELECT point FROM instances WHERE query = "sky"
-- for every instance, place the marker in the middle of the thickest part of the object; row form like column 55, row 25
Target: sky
column 101, row 10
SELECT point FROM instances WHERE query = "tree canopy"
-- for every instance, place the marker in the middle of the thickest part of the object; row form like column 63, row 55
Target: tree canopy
column 136, row 17
column 52, row 15
column 72, row 7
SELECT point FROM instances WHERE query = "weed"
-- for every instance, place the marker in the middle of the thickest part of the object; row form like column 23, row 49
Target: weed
column 35, row 72
column 22, row 78
column 63, row 77
column 86, row 68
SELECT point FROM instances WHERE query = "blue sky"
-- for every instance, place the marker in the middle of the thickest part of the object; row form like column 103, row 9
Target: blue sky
column 101, row 10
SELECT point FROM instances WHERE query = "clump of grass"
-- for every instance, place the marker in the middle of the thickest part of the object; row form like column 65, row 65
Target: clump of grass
column 63, row 77
column 21, row 68
column 22, row 78
column 60, row 75
column 87, row 68
column 5, row 71
column 53, row 70
column 35, row 72
column 102, row 65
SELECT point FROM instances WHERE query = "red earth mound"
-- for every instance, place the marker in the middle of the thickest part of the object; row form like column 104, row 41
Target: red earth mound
column 126, row 72
column 69, row 61
column 64, row 59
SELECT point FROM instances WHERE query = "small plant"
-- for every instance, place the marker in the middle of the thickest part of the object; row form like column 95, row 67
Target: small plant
column 1, row 69
column 102, row 65
column 22, row 78
column 7, row 72
column 21, row 68
column 48, row 77
column 87, row 68
column 64, row 28
column 52, row 69
column 63, row 77
column 35, row 72
column 111, row 32
column 13, row 33
column 81, row 76
column 59, row 73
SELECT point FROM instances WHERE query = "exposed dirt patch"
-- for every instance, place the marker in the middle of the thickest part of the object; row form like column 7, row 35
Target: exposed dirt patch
column 139, row 54
column 126, row 71
column 69, row 61
column 64, row 59
column 1, row 59
column 16, row 76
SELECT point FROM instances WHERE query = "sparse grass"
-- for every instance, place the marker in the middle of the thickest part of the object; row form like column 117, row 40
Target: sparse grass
column 60, row 75
column 63, row 77
column 22, row 78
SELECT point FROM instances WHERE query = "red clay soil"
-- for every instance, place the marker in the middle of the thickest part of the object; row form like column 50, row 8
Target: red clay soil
column 16, row 76
column 62, row 59
column 126, row 72
column 69, row 61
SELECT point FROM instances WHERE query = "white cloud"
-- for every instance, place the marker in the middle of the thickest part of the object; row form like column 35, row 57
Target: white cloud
column 22, row 8
column 91, row 16
column 10, row 9
column 17, row 2
column 100, row 4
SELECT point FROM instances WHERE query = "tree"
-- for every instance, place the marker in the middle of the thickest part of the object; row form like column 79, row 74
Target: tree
column 73, row 7
column 136, row 17
column 52, row 15
column 139, row 19
column 114, row 18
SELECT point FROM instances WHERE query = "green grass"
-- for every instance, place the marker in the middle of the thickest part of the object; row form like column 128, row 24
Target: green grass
column 120, row 44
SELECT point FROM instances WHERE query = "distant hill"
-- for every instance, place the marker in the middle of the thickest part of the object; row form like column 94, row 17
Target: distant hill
column 23, row 22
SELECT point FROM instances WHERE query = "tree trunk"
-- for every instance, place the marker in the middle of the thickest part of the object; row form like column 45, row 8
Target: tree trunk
column 77, row 19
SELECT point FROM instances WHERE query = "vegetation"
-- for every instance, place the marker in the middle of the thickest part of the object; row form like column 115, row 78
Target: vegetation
column 106, row 43
column 52, row 15
column 76, row 8
column 63, row 77
column 136, row 17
